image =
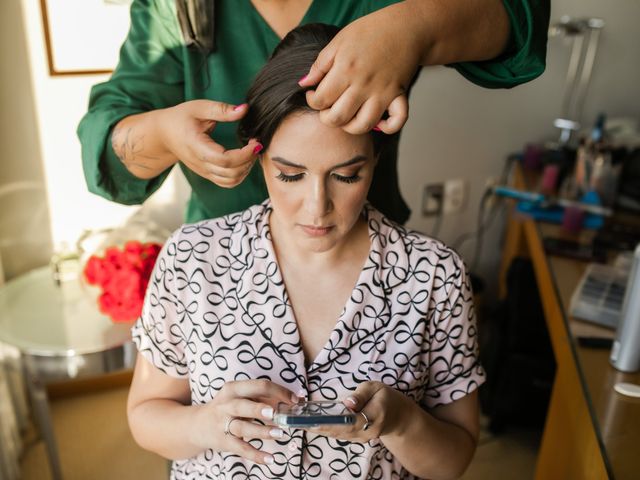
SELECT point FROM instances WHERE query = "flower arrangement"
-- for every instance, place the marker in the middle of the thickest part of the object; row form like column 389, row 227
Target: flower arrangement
column 123, row 275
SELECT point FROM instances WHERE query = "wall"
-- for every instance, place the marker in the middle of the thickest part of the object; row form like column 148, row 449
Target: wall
column 25, row 238
column 459, row 130
column 61, row 101
column 39, row 117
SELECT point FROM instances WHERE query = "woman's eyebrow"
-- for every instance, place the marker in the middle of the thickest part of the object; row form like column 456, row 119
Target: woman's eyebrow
column 356, row 159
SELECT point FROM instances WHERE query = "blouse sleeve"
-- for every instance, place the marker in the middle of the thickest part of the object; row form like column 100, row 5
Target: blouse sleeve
column 159, row 333
column 149, row 76
column 525, row 56
column 454, row 369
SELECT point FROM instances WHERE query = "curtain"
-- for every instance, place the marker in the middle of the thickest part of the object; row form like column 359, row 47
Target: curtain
column 13, row 413
column 13, row 409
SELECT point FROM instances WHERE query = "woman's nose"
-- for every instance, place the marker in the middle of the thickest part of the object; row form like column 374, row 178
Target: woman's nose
column 318, row 202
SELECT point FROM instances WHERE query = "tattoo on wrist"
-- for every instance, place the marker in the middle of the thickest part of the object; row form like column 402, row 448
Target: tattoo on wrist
column 128, row 148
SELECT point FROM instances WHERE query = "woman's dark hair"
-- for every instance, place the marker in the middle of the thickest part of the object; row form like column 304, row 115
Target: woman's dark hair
column 275, row 93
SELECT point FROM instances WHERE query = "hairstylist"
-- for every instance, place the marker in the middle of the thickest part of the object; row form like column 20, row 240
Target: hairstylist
column 167, row 103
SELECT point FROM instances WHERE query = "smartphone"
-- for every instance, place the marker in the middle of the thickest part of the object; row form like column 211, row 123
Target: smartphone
column 313, row 414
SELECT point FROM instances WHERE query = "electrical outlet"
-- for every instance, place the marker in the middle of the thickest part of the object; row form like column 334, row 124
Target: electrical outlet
column 454, row 196
column 490, row 183
column 432, row 199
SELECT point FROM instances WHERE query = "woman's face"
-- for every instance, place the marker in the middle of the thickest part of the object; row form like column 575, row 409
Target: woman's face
column 318, row 178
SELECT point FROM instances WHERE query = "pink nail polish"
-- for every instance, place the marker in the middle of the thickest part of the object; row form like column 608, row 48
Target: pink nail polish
column 303, row 79
column 350, row 401
column 376, row 129
column 238, row 107
column 258, row 148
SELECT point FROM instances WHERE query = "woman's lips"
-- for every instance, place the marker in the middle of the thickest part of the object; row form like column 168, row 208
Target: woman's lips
column 314, row 231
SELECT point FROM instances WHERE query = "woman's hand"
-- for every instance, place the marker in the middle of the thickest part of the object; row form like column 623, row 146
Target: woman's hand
column 364, row 71
column 243, row 402
column 150, row 142
column 384, row 408
column 367, row 67
column 185, row 129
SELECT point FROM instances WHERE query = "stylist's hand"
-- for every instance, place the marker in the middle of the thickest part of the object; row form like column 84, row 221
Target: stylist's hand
column 245, row 400
column 185, row 131
column 365, row 71
column 383, row 406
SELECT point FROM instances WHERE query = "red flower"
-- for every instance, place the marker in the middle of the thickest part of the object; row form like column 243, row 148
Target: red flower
column 94, row 271
column 123, row 276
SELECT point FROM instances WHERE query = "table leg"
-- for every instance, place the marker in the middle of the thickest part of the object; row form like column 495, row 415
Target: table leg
column 42, row 413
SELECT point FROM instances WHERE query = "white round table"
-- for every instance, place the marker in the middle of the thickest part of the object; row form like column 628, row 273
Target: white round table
column 61, row 335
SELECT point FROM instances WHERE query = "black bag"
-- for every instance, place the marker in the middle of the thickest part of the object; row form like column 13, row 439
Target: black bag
column 516, row 352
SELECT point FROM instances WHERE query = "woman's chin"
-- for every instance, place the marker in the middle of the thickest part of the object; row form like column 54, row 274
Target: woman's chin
column 317, row 243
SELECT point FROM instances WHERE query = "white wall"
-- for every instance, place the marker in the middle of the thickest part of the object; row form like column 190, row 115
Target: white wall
column 458, row 130
column 60, row 104
column 55, row 105
column 25, row 239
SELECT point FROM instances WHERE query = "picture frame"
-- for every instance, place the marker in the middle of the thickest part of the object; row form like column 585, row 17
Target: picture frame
column 83, row 37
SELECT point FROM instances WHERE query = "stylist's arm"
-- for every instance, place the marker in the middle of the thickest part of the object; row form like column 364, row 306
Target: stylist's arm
column 367, row 67
column 149, row 143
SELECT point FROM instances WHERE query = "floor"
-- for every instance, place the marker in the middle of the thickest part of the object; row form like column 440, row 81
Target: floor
column 95, row 443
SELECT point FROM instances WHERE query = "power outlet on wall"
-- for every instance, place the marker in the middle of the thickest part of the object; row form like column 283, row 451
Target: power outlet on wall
column 444, row 198
column 432, row 199
column 454, row 198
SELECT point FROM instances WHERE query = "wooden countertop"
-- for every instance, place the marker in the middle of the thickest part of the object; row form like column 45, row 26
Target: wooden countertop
column 591, row 431
column 616, row 417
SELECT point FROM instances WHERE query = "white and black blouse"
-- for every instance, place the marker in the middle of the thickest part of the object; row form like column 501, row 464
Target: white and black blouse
column 217, row 310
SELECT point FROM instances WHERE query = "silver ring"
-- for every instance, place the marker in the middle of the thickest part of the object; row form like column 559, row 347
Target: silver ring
column 366, row 420
column 227, row 426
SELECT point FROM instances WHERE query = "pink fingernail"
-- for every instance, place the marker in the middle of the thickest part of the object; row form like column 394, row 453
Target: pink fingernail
column 351, row 401
column 268, row 459
column 294, row 398
column 376, row 129
column 303, row 79
column 238, row 107
column 276, row 433
column 258, row 148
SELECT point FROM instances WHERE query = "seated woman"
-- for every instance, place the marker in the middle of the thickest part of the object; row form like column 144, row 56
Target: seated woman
column 313, row 295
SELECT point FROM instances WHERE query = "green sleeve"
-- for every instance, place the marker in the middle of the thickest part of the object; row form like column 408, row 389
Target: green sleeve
column 524, row 57
column 149, row 76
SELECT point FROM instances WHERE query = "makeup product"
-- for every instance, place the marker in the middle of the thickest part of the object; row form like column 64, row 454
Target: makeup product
column 628, row 389
column 549, row 181
column 625, row 354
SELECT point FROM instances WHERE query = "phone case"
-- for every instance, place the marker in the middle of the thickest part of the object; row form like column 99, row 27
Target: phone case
column 310, row 414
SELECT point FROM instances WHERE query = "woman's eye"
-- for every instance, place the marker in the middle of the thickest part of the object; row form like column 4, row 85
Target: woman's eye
column 349, row 179
column 289, row 178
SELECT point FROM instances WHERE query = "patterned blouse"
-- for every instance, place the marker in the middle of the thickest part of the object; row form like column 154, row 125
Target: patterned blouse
column 217, row 310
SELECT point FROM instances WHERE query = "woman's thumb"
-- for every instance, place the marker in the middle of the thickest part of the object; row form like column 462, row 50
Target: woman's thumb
column 218, row 111
column 319, row 69
column 357, row 399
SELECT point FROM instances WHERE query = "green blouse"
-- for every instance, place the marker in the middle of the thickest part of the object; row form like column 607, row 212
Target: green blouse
column 157, row 71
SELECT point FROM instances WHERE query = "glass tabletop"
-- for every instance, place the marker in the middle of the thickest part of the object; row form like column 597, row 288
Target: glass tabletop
column 41, row 318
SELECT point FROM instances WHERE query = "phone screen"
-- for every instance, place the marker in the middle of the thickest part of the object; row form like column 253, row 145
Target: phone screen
column 309, row 414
